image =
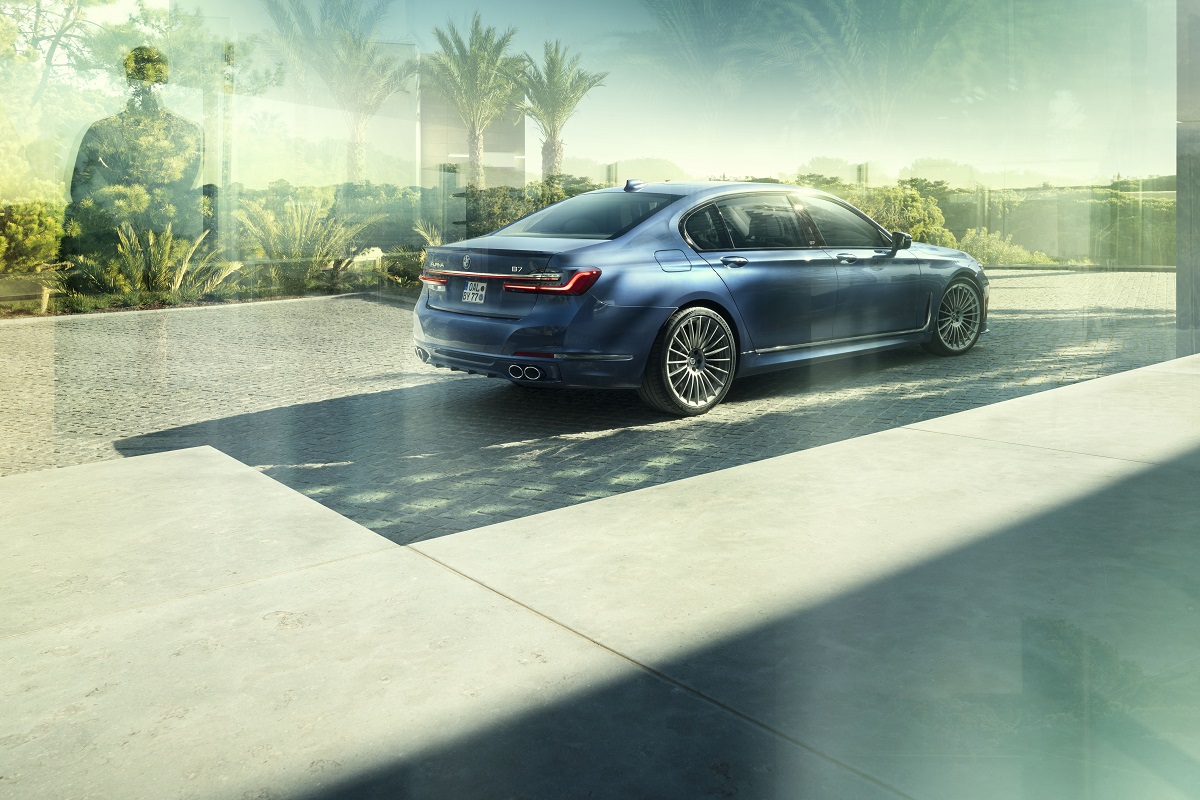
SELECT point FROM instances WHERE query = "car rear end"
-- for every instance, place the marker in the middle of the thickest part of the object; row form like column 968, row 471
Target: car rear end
column 526, row 302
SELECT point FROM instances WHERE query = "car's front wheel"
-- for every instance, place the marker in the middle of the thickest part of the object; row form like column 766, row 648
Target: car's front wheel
column 959, row 319
column 691, row 364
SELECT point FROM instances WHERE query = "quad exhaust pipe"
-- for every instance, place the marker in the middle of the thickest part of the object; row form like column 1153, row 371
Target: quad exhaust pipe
column 517, row 372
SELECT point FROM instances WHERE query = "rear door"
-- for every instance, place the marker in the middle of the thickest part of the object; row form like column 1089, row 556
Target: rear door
column 785, row 286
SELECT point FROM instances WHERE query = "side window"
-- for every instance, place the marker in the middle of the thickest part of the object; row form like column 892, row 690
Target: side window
column 839, row 226
column 763, row 221
column 706, row 230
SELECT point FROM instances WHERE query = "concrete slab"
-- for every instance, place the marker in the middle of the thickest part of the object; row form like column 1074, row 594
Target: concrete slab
column 99, row 538
column 221, row 663
column 955, row 615
column 1189, row 365
column 1150, row 415
column 377, row 671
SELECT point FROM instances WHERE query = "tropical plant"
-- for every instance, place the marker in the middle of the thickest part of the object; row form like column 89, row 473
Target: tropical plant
column 340, row 45
column 479, row 79
column 300, row 242
column 864, row 61
column 553, row 91
column 146, row 261
column 705, row 45
column 403, row 264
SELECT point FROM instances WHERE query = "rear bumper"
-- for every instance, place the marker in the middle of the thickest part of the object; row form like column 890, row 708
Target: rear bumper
column 563, row 369
column 579, row 342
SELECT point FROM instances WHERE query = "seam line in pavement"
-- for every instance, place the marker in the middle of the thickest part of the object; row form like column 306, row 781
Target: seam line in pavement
column 222, row 587
column 677, row 684
column 1166, row 464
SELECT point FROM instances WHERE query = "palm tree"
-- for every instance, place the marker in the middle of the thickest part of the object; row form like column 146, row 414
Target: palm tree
column 339, row 44
column 553, row 91
column 479, row 78
column 866, row 61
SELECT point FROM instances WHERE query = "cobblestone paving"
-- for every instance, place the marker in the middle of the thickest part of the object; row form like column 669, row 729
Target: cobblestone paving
column 325, row 396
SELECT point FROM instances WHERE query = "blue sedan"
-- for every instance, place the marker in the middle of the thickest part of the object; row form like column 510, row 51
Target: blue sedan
column 676, row 289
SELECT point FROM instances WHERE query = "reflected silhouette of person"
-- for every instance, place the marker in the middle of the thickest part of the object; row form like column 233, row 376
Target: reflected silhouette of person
column 138, row 166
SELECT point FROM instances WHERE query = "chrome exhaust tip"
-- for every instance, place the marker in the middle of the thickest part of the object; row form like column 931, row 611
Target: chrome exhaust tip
column 532, row 374
column 515, row 372
column 422, row 354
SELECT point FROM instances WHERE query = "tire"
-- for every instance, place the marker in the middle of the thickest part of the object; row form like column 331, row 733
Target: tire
column 959, row 319
column 691, row 365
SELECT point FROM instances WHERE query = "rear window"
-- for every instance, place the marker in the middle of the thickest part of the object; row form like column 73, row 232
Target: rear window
column 606, row 215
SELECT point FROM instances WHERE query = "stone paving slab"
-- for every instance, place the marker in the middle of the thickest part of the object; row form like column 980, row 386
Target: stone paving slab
column 325, row 396
column 341, row 666
column 96, row 539
column 916, row 603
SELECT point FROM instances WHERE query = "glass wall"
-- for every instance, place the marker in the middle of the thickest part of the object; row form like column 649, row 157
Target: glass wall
column 316, row 146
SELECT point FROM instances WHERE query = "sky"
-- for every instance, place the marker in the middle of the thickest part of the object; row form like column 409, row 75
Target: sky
column 1073, row 104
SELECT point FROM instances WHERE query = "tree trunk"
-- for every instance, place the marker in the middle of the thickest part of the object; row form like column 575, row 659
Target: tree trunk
column 356, row 152
column 552, row 155
column 475, row 175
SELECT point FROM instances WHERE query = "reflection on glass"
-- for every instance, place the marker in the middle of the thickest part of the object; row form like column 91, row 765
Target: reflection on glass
column 136, row 168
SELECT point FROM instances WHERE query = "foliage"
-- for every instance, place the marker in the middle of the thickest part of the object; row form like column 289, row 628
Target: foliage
column 29, row 236
column 150, row 262
column 824, row 183
column 403, row 264
column 300, row 242
column 479, row 79
column 705, row 45
column 489, row 209
column 903, row 208
column 995, row 248
column 340, row 44
column 553, row 91
column 864, row 60
column 49, row 35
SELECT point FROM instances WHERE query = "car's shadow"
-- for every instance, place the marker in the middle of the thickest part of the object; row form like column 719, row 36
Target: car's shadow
column 457, row 454
column 463, row 452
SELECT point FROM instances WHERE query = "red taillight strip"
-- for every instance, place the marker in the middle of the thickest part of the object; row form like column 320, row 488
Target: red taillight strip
column 458, row 273
column 427, row 279
column 579, row 283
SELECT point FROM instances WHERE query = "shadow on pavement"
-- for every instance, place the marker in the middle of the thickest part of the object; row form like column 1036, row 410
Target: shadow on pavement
column 457, row 454
column 449, row 456
column 1054, row 659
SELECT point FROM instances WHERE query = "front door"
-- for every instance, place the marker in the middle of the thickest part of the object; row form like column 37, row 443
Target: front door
column 879, row 291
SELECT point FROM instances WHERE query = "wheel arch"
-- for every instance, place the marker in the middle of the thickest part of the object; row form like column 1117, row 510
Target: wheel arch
column 726, row 314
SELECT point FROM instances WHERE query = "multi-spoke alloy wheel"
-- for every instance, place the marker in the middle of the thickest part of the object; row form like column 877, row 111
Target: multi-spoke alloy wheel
column 959, row 319
column 691, row 364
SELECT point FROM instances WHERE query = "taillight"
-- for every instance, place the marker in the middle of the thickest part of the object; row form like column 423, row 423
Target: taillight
column 430, row 279
column 579, row 283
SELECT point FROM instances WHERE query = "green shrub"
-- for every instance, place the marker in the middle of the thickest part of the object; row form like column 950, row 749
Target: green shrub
column 29, row 236
column 903, row 208
column 301, row 242
column 995, row 248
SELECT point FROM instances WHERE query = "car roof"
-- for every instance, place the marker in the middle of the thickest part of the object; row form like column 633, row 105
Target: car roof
column 701, row 189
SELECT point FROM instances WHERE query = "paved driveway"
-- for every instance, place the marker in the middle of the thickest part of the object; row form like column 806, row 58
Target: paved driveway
column 325, row 396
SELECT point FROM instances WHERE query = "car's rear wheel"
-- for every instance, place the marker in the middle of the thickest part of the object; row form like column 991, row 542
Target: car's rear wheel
column 691, row 364
column 959, row 319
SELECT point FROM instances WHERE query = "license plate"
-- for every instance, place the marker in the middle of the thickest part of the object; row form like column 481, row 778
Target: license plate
column 474, row 292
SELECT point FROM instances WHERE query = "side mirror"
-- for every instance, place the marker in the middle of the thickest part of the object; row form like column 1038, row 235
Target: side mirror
column 900, row 241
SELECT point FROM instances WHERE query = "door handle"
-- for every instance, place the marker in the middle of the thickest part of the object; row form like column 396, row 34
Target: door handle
column 734, row 261
column 846, row 258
